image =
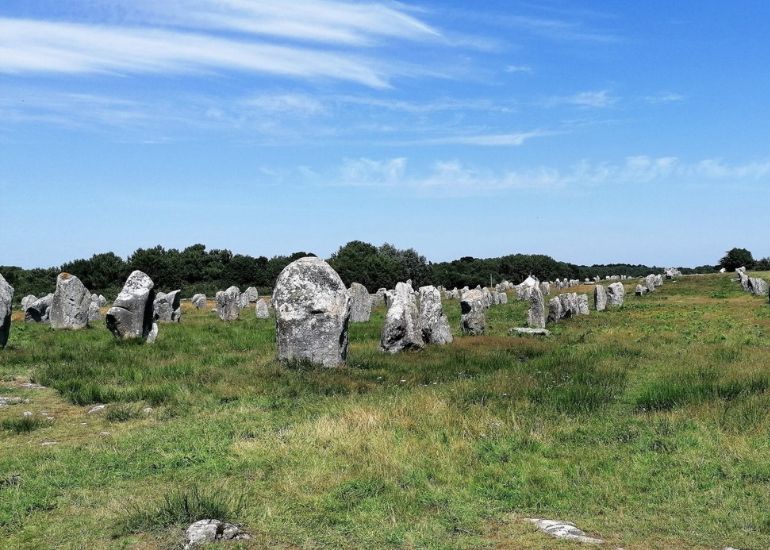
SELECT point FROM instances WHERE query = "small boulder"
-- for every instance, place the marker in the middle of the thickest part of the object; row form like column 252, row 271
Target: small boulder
column 616, row 294
column 168, row 307
column 206, row 531
column 199, row 301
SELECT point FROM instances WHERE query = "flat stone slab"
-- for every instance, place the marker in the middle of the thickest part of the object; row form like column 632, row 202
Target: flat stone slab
column 563, row 530
column 527, row 331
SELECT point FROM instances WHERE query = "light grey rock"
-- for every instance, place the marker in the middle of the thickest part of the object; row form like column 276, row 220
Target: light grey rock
column 312, row 309
column 168, row 307
column 432, row 320
column 502, row 298
column 555, row 312
column 261, row 309
column 528, row 331
column 27, row 301
column 69, row 307
column 38, row 311
column 564, row 530
column 94, row 313
column 545, row 288
column 569, row 305
column 229, row 304
column 251, row 295
column 649, row 282
column 473, row 317
column 401, row 330
column 378, row 298
column 361, row 304
column 758, row 286
column 207, row 531
column 600, row 297
column 102, row 301
column 153, row 335
column 616, row 294
column 131, row 315
column 6, row 309
column 582, row 304
column 536, row 314
column 199, row 301
column 641, row 290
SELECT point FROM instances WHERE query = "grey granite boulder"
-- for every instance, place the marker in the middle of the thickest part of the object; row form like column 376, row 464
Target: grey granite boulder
column 582, row 304
column 641, row 290
column 262, row 310
column 600, row 298
column 378, row 298
column 207, row 531
column 616, row 294
column 131, row 315
column 94, row 313
column 69, row 307
column 473, row 319
column 251, row 295
column 6, row 305
column 199, row 301
column 650, row 282
column 555, row 312
column 168, row 307
column 361, row 303
column 757, row 286
column 432, row 320
column 229, row 303
column 28, row 301
column 401, row 330
column 536, row 315
column 38, row 311
column 312, row 311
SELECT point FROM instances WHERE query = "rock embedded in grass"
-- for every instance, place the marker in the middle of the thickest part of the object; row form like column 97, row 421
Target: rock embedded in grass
column 312, row 311
column 361, row 303
column 555, row 312
column 70, row 304
column 432, row 319
column 473, row 320
column 131, row 316
column 27, row 301
column 211, row 530
column 94, row 313
column 229, row 304
column 564, row 530
column 6, row 309
column 167, row 307
column 401, row 329
column 250, row 295
column 641, row 290
column 582, row 304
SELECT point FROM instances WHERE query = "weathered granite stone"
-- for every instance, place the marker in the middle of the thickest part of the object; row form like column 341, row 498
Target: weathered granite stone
column 361, row 303
column 251, row 295
column 641, row 290
column 229, row 304
column 6, row 307
column 616, row 294
column 199, row 301
column 536, row 314
column 69, row 307
column 564, row 530
column 27, row 301
column 582, row 304
column 432, row 320
column 757, row 286
column 600, row 298
column 401, row 330
column 569, row 305
column 206, row 531
column 527, row 331
column 168, row 307
column 473, row 319
column 312, row 310
column 261, row 309
column 378, row 298
column 38, row 311
column 94, row 313
column 545, row 288
column 555, row 312
column 131, row 315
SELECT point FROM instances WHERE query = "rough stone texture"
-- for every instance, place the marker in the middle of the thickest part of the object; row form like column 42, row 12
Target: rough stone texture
column 473, row 319
column 94, row 314
column 650, row 282
column 361, row 303
column 432, row 320
column 6, row 305
column 527, row 331
column 251, row 295
column 536, row 314
column 401, row 330
column 262, row 310
column 582, row 304
column 641, row 290
column 555, row 312
column 312, row 310
column 131, row 315
column 27, row 301
column 37, row 311
column 616, row 294
column 564, row 530
column 502, row 298
column 229, row 304
column 758, row 286
column 569, row 305
column 199, row 301
column 378, row 298
column 545, row 288
column 206, row 531
column 69, row 307
column 600, row 298
column 168, row 307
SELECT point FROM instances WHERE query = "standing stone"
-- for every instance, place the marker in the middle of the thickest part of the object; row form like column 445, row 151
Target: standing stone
column 641, row 290
column 555, row 312
column 69, row 308
column 600, row 298
column 473, row 320
column 401, row 330
column 131, row 315
column 569, row 305
column 649, row 282
column 199, row 301
column 312, row 310
column 262, row 310
column 6, row 305
column 545, row 288
column 582, row 304
column 432, row 320
column 38, row 311
column 251, row 295
column 102, row 301
column 536, row 315
column 229, row 304
column 94, row 313
column 168, row 307
column 378, row 298
column 616, row 294
column 361, row 303
column 28, row 301
column 502, row 298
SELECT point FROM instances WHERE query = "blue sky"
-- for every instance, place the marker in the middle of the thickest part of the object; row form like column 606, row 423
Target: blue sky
column 590, row 131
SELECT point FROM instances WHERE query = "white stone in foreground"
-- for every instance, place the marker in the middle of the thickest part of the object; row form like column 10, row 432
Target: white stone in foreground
column 563, row 530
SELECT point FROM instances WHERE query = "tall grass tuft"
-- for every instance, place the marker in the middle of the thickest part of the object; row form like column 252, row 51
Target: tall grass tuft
column 24, row 424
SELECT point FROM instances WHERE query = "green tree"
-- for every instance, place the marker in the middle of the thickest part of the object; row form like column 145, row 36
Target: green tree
column 735, row 258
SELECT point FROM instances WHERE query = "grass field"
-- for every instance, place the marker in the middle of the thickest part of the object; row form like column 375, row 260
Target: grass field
column 648, row 426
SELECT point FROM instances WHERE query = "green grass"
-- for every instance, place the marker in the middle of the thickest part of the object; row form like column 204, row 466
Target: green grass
column 647, row 426
column 23, row 425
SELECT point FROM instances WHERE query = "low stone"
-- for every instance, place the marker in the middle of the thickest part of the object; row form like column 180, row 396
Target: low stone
column 199, row 301
column 96, row 409
column 564, row 530
column 38, row 311
column 641, row 290
column 211, row 530
column 528, row 331
column 27, row 301
column 251, row 295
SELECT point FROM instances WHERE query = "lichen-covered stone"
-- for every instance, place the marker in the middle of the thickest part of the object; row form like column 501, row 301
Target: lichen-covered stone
column 229, row 303
column 131, row 315
column 401, row 330
column 69, row 307
column 432, row 319
column 473, row 319
column 361, row 303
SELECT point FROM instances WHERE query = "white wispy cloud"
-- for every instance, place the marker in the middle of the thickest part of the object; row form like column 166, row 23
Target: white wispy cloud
column 364, row 172
column 597, row 99
column 514, row 139
column 664, row 97
column 430, row 106
column 518, row 69
column 286, row 103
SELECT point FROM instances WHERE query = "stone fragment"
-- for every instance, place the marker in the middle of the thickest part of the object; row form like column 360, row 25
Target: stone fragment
column 207, row 531
column 564, row 530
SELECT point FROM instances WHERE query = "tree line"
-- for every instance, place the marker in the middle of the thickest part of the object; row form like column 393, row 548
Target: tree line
column 196, row 269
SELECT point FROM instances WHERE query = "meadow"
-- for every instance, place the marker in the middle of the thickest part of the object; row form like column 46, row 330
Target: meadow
column 648, row 426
